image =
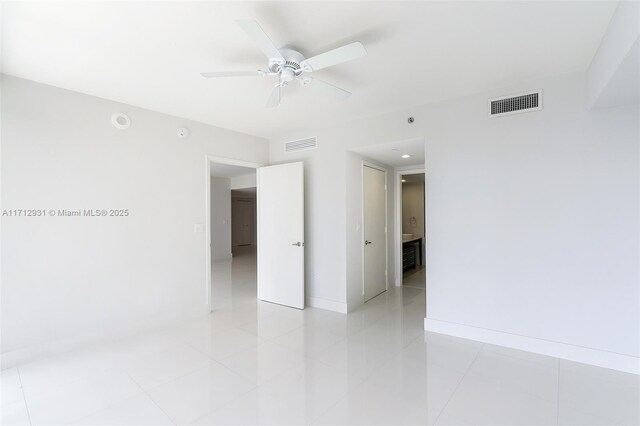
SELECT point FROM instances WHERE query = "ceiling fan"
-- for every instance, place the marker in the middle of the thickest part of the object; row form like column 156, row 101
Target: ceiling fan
column 288, row 64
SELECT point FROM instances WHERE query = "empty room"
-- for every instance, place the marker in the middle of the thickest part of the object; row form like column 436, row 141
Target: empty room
column 320, row 213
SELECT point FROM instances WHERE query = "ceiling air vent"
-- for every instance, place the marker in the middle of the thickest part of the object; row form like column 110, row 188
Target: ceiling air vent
column 513, row 104
column 301, row 145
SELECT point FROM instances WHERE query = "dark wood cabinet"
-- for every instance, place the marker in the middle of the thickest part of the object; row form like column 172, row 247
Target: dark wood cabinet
column 411, row 253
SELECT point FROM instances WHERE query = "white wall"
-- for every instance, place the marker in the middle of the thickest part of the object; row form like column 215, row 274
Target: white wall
column 70, row 280
column 532, row 219
column 246, row 181
column 533, row 225
column 220, row 218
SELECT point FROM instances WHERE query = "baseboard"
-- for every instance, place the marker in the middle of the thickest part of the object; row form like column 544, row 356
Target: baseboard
column 329, row 305
column 600, row 358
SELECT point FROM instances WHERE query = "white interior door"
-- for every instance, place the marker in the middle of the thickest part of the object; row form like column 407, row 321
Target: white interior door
column 281, row 234
column 374, row 231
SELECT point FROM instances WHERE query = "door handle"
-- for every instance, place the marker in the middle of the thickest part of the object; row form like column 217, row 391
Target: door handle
column 367, row 242
column 299, row 244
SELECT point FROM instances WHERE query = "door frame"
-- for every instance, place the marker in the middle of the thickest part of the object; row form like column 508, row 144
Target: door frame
column 398, row 223
column 372, row 165
column 207, row 224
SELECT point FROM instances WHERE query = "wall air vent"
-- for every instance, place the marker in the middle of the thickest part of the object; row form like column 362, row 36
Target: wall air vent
column 300, row 145
column 513, row 104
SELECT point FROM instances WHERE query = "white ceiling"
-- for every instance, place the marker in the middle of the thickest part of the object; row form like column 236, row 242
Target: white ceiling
column 150, row 54
column 391, row 153
column 229, row 171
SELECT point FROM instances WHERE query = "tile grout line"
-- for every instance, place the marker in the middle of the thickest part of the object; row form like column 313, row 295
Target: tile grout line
column 517, row 358
column 362, row 382
column 212, row 361
column 265, row 340
column 220, row 364
column 458, row 385
column 243, row 394
column 152, row 400
column 24, row 397
column 340, row 371
column 332, row 406
column 352, row 391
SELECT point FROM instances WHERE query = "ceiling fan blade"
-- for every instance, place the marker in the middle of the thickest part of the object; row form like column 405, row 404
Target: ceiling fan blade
column 230, row 74
column 333, row 57
column 257, row 34
column 327, row 88
column 274, row 98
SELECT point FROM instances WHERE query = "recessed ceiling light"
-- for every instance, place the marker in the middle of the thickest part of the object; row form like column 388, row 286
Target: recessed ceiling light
column 404, row 180
column 406, row 156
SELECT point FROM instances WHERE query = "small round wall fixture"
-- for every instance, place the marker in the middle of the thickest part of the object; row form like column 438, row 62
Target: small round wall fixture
column 183, row 132
column 120, row 121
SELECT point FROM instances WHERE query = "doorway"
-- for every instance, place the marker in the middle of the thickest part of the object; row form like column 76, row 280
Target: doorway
column 412, row 219
column 231, row 268
column 399, row 158
column 270, row 265
column 374, row 224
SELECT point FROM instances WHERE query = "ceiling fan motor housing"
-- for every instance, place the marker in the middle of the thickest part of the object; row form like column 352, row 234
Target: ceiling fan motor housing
column 290, row 68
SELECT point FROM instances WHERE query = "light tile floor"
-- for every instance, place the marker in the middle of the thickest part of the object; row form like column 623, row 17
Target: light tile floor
column 251, row 362
column 415, row 277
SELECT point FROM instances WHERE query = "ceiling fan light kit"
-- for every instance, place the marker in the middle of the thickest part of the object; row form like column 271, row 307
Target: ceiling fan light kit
column 289, row 64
